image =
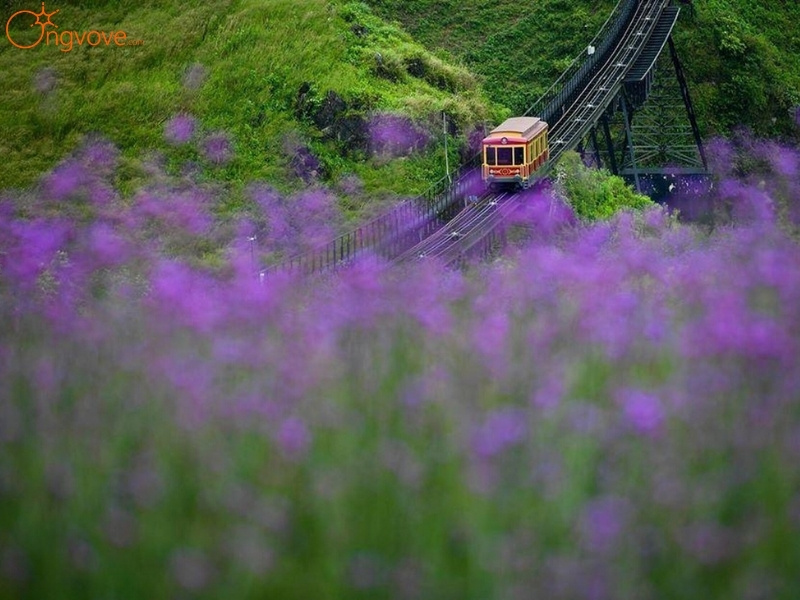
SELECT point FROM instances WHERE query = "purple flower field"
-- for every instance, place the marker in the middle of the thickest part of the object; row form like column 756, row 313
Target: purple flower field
column 606, row 411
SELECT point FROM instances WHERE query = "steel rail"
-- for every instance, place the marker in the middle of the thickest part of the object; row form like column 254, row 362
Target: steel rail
column 483, row 226
column 452, row 230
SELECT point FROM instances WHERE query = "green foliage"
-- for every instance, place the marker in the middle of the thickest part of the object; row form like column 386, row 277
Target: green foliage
column 743, row 64
column 595, row 194
column 390, row 53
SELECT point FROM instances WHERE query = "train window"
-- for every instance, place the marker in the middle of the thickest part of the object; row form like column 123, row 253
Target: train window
column 519, row 156
column 490, row 160
column 504, row 156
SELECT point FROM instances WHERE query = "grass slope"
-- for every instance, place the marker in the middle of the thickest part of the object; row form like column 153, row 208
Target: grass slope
column 253, row 57
column 519, row 50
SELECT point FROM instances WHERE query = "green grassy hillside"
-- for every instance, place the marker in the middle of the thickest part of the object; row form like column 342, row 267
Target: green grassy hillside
column 742, row 57
column 285, row 82
column 519, row 50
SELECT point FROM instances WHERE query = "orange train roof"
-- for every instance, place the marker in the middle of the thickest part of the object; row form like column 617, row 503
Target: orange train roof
column 526, row 128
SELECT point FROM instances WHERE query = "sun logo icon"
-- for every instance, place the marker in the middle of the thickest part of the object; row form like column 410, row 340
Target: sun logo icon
column 39, row 21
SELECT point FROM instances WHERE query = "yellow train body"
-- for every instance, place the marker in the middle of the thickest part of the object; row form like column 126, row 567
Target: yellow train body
column 514, row 150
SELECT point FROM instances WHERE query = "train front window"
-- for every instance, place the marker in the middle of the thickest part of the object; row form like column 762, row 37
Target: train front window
column 490, row 158
column 504, row 156
column 519, row 156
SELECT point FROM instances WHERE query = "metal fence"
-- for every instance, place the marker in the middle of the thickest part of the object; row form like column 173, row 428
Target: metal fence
column 390, row 233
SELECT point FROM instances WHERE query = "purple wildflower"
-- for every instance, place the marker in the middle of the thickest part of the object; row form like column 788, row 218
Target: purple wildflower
column 248, row 547
column 191, row 569
column 786, row 162
column 100, row 156
column 180, row 129
column 267, row 198
column 107, row 247
column 609, row 323
column 185, row 209
column 708, row 542
column 82, row 555
column 491, row 338
column 144, row 482
column 430, row 295
column 395, row 135
column 547, row 396
column 194, row 77
column 749, row 204
column 502, row 429
column 721, row 156
column 543, row 214
column 120, row 527
column 191, row 299
column 217, row 148
column 34, row 248
column 602, row 523
column 65, row 180
column 351, row 185
column 314, row 214
column 294, row 438
column 642, row 411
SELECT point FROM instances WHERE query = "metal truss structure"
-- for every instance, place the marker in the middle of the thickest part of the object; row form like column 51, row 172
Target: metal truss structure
column 650, row 129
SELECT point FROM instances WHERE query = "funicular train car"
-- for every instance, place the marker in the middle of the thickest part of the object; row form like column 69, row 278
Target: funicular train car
column 514, row 150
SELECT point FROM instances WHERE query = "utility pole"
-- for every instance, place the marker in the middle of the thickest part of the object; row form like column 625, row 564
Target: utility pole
column 252, row 240
column 446, row 157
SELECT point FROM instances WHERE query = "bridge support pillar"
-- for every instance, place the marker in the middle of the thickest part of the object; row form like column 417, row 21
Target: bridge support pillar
column 627, row 114
column 612, row 155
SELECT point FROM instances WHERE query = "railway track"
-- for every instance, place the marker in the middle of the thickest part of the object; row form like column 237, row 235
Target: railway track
column 461, row 233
